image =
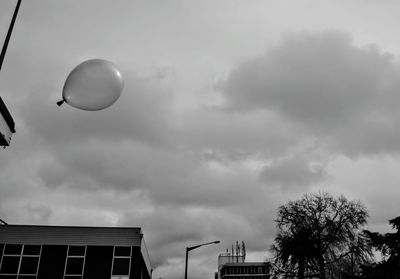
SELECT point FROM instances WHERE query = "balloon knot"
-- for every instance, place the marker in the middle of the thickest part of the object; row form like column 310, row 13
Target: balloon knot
column 59, row 103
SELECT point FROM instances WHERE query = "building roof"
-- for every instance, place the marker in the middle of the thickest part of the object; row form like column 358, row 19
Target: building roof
column 71, row 235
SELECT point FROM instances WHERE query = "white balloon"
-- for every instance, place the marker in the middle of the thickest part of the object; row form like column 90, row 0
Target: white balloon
column 93, row 85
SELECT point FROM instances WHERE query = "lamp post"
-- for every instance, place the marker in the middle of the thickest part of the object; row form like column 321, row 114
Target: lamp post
column 4, row 49
column 7, row 125
column 192, row 248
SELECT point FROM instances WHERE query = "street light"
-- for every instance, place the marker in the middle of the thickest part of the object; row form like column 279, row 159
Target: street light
column 195, row 247
column 4, row 49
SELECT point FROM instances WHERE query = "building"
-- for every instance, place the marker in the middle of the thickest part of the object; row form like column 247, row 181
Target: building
column 65, row 252
column 233, row 265
column 7, row 125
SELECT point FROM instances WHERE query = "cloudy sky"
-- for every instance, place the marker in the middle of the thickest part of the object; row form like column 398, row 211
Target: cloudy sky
column 230, row 109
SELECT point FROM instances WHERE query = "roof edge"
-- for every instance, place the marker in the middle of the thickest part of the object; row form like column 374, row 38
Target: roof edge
column 70, row 226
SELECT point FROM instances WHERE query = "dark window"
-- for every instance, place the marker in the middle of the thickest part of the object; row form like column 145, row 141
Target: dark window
column 29, row 265
column 122, row 251
column 72, row 277
column 10, row 264
column 74, row 266
column 8, row 276
column 98, row 262
column 1, row 251
column 31, row 250
column 121, row 261
column 52, row 262
column 121, row 266
column 76, row 251
column 75, row 261
column 13, row 249
column 27, row 277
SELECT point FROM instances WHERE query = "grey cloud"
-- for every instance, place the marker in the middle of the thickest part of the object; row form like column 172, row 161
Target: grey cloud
column 170, row 176
column 168, row 234
column 225, row 137
column 296, row 171
column 38, row 214
column 53, row 174
column 172, row 228
column 27, row 213
column 88, row 166
column 342, row 94
column 202, row 188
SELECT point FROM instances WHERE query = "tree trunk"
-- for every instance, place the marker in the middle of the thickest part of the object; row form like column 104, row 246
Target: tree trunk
column 321, row 267
column 301, row 270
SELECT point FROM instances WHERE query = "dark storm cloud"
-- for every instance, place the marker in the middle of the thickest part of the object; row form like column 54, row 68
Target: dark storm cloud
column 341, row 93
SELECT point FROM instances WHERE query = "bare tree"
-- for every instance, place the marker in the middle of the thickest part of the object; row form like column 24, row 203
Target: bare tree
column 316, row 232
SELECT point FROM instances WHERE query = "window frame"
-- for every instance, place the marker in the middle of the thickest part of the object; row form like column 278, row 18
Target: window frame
column 121, row 257
column 20, row 257
column 68, row 256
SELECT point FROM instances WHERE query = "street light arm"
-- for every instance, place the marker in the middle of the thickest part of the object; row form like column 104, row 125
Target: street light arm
column 197, row 246
column 194, row 247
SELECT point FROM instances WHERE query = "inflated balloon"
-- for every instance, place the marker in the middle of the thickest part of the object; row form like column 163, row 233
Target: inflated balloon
column 93, row 85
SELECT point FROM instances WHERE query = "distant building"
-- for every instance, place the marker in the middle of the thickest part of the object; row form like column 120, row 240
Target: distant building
column 63, row 252
column 7, row 125
column 233, row 265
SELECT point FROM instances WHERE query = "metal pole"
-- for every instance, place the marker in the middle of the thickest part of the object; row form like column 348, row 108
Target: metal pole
column 4, row 49
column 186, row 262
column 195, row 247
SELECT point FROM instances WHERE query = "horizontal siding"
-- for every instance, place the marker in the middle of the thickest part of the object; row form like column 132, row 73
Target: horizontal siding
column 247, row 264
column 146, row 257
column 57, row 235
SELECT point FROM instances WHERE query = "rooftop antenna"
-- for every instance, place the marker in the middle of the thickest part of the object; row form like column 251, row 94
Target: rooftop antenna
column 237, row 251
